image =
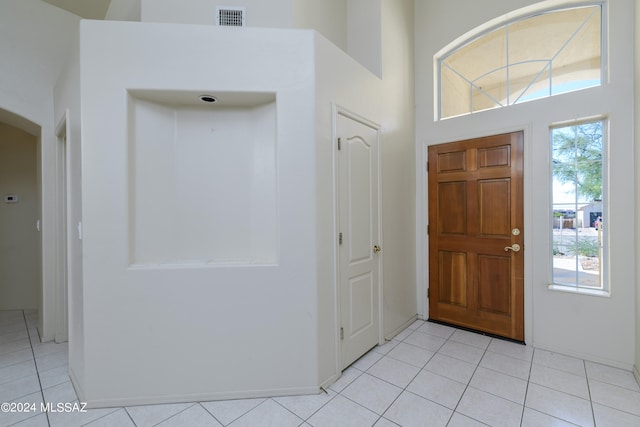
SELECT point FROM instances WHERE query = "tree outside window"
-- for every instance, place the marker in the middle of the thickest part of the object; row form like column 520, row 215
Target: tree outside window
column 579, row 225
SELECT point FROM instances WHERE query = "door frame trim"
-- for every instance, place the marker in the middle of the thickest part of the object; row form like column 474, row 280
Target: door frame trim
column 61, row 304
column 422, row 210
column 337, row 110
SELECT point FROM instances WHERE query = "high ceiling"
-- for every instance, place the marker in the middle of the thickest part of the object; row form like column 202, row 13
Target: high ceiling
column 88, row 9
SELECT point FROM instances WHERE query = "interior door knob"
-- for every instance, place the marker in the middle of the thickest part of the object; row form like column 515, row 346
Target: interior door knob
column 376, row 249
column 514, row 248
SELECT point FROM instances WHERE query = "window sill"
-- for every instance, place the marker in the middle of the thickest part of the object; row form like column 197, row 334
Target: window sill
column 581, row 291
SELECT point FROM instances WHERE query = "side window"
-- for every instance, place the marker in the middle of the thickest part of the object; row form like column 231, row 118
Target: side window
column 525, row 58
column 579, row 219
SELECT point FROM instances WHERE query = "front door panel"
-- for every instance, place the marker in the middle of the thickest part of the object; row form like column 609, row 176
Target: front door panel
column 476, row 264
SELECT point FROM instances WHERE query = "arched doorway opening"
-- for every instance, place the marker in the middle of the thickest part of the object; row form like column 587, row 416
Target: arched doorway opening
column 20, row 214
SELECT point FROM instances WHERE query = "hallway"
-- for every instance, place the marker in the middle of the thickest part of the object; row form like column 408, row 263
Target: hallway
column 428, row 375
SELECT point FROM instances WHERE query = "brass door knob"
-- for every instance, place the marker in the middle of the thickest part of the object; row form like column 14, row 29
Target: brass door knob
column 376, row 249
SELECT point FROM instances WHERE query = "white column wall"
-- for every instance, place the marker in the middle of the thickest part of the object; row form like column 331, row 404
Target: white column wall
column 195, row 333
column 595, row 328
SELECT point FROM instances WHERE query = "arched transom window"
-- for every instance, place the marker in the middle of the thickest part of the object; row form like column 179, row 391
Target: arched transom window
column 530, row 57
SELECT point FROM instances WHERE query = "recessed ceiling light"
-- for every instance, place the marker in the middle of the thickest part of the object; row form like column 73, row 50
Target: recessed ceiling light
column 208, row 98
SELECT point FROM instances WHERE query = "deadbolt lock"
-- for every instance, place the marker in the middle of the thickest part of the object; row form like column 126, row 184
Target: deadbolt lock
column 515, row 231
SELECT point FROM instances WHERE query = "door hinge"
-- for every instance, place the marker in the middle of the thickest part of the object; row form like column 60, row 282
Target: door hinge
column 428, row 229
column 428, row 293
column 339, row 144
column 427, row 166
column 341, row 333
column 340, row 238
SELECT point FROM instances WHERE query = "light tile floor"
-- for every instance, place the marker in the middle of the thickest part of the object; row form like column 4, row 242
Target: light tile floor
column 428, row 375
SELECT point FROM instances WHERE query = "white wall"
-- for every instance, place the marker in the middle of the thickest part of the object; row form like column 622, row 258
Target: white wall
column 260, row 13
column 364, row 33
column 328, row 17
column 203, row 182
column 398, row 157
column 124, row 10
column 355, row 26
column 595, row 328
column 352, row 25
column 171, row 333
column 19, row 259
column 34, row 44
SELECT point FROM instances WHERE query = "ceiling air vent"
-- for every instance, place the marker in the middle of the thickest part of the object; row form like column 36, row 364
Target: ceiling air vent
column 231, row 16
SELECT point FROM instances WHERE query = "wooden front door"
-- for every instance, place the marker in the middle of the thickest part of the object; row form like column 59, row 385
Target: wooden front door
column 476, row 262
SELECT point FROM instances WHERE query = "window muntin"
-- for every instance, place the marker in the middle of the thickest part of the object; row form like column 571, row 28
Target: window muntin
column 579, row 220
column 527, row 58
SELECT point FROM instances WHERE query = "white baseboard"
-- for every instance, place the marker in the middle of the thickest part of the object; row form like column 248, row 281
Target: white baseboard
column 402, row 327
column 199, row 397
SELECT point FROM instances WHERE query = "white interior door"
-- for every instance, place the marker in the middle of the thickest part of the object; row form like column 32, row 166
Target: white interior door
column 358, row 241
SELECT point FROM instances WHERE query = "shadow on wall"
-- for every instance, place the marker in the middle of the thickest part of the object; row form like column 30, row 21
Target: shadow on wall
column 19, row 261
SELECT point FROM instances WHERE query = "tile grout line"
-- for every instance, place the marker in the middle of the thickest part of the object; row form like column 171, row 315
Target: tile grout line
column 415, row 376
column 338, row 393
column 129, row 415
column 26, row 325
column 353, row 401
column 466, row 387
column 586, row 374
column 626, row 390
column 560, row 391
column 453, row 411
column 526, row 391
column 213, row 415
column 436, row 352
column 304, row 421
column 380, row 416
column 199, row 403
column 176, row 414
